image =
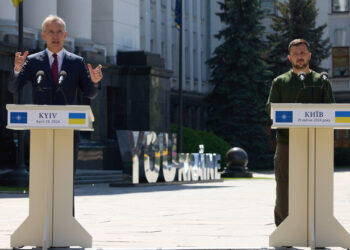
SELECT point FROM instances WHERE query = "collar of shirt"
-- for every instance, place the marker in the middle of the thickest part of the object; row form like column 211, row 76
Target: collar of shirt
column 60, row 56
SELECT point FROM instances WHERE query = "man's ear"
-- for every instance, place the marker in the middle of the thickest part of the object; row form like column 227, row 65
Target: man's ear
column 289, row 58
column 43, row 35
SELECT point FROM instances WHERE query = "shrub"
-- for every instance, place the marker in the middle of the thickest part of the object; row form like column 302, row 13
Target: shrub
column 191, row 139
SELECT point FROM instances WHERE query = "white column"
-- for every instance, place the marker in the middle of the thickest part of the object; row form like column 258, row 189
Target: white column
column 77, row 15
column 35, row 11
column 169, row 35
column 190, row 47
column 116, row 25
column 7, row 11
column 159, row 26
column 199, row 47
column 147, row 23
column 103, row 26
column 126, row 16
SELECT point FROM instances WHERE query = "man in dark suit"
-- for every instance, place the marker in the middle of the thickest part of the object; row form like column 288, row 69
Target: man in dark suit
column 50, row 64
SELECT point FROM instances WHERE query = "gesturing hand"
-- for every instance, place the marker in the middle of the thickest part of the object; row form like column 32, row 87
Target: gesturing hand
column 19, row 60
column 96, row 73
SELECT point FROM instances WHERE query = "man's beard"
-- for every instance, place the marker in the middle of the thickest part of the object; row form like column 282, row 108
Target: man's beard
column 302, row 66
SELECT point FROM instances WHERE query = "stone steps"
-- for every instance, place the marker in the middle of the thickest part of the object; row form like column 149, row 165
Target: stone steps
column 98, row 176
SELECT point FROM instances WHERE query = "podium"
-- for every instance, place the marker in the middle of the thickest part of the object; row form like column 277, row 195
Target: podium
column 50, row 222
column 311, row 222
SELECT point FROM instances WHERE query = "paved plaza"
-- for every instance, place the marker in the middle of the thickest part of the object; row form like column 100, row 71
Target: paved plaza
column 234, row 214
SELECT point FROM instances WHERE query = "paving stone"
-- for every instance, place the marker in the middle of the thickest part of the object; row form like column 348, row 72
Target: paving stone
column 235, row 214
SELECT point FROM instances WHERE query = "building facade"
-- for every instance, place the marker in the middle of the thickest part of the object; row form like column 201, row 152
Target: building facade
column 158, row 35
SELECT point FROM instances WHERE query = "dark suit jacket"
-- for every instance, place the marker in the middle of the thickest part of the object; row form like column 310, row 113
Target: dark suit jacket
column 77, row 77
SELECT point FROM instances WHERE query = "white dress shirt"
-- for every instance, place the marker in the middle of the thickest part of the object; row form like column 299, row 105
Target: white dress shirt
column 60, row 56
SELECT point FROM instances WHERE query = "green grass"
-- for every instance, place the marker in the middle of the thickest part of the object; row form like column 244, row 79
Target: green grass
column 348, row 167
column 14, row 189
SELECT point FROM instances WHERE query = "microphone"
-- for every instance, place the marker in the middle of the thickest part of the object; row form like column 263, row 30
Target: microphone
column 61, row 76
column 324, row 78
column 39, row 78
column 302, row 76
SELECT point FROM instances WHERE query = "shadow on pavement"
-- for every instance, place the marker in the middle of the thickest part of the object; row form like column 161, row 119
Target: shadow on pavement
column 104, row 189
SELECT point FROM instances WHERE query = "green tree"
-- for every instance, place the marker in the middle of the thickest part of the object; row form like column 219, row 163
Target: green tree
column 237, row 103
column 296, row 19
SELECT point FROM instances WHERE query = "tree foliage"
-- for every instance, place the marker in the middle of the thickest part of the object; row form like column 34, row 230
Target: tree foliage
column 296, row 19
column 238, row 73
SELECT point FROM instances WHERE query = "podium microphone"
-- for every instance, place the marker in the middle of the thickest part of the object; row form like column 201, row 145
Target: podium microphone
column 39, row 78
column 61, row 76
column 302, row 76
column 324, row 78
column 324, row 86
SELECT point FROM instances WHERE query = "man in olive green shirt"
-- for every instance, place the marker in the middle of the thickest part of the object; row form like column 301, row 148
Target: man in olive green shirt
column 288, row 88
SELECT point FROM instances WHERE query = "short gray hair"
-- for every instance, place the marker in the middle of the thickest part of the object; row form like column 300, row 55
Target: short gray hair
column 53, row 18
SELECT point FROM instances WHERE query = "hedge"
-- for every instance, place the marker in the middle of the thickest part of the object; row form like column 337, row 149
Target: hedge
column 191, row 139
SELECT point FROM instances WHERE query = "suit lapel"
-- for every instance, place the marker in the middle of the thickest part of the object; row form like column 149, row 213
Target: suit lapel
column 65, row 60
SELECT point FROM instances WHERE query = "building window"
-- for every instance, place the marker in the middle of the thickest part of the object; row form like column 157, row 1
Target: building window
column 340, row 58
column 346, row 134
column 336, row 135
column 340, row 5
column 339, row 37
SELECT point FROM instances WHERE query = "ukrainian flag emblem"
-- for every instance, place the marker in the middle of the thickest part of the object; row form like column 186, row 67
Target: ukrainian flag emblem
column 178, row 14
column 342, row 116
column 77, row 118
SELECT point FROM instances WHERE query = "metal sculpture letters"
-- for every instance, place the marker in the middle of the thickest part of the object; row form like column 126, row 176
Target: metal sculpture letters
column 151, row 157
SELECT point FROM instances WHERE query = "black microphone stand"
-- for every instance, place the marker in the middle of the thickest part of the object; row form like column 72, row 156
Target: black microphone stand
column 324, row 87
column 61, row 78
column 301, row 77
column 59, row 88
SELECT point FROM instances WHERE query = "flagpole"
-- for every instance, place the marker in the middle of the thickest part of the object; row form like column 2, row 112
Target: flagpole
column 180, row 113
column 19, row 177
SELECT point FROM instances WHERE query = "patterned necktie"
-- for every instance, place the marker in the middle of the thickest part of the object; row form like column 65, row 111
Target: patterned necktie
column 54, row 69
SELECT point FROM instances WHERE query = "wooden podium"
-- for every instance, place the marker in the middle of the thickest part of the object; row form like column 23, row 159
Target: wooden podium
column 310, row 222
column 50, row 222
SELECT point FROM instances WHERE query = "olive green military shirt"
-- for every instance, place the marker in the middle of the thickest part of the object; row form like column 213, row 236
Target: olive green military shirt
column 287, row 88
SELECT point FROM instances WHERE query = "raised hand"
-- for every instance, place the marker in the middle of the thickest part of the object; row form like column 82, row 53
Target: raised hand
column 96, row 73
column 19, row 60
